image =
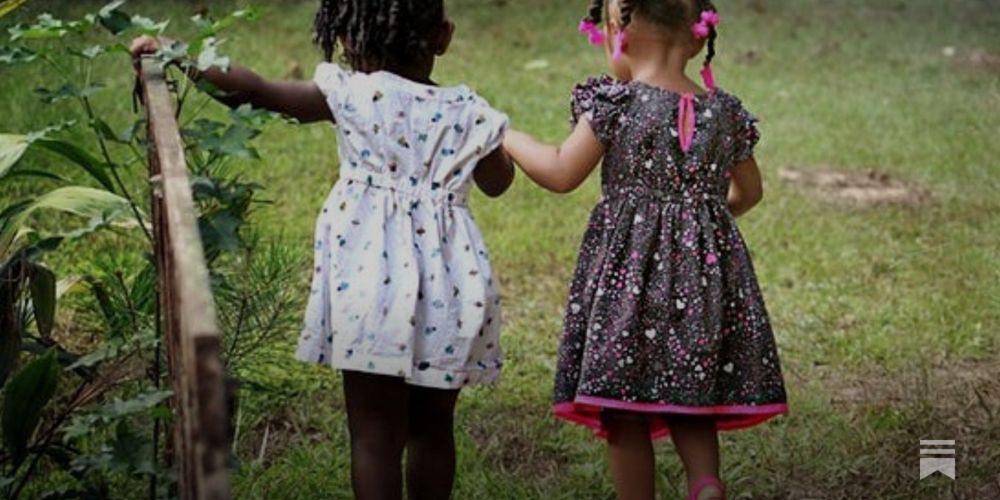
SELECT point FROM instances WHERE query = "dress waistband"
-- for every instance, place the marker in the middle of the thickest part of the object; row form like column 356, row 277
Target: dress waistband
column 689, row 196
column 408, row 187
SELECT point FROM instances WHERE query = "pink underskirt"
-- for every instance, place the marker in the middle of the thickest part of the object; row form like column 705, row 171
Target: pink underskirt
column 586, row 411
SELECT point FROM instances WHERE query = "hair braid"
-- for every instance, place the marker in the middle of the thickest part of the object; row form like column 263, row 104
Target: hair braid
column 626, row 7
column 707, row 5
column 596, row 12
column 373, row 34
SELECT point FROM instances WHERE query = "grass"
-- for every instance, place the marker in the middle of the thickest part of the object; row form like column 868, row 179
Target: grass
column 899, row 303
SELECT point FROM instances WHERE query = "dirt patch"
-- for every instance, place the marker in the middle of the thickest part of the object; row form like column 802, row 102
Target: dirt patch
column 748, row 57
column 954, row 400
column 976, row 60
column 857, row 189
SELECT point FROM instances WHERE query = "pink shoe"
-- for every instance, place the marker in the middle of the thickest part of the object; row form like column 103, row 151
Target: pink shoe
column 703, row 483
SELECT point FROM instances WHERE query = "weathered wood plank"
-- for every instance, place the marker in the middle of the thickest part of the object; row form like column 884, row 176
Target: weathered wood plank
column 192, row 338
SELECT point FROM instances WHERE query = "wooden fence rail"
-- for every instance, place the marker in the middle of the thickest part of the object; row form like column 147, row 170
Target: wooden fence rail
column 201, row 438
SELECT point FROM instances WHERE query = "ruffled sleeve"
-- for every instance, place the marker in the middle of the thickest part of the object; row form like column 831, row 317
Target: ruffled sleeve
column 488, row 127
column 745, row 134
column 601, row 101
column 332, row 82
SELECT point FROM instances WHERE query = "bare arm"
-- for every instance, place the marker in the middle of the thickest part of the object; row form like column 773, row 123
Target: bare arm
column 296, row 99
column 495, row 173
column 557, row 168
column 745, row 187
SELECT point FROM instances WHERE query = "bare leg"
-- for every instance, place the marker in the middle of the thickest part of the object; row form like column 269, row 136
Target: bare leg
column 697, row 443
column 630, row 451
column 430, row 447
column 377, row 419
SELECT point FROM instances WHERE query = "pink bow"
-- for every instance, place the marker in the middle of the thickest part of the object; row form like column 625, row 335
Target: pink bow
column 703, row 28
column 594, row 34
column 686, row 121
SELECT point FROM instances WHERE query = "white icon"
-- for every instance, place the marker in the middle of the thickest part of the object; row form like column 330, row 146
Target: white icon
column 937, row 455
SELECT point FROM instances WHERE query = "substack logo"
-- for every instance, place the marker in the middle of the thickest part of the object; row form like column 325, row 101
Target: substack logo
column 937, row 456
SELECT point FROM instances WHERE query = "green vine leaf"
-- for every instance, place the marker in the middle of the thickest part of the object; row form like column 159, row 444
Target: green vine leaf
column 12, row 148
column 16, row 55
column 116, row 21
column 46, row 27
column 24, row 398
column 43, row 298
column 67, row 91
column 210, row 57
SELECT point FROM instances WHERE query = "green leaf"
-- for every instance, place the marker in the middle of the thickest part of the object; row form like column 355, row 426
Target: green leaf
column 113, row 19
column 101, row 207
column 116, row 21
column 43, row 298
column 131, row 451
column 81, row 158
column 16, row 55
column 46, row 27
column 12, row 147
column 209, row 56
column 90, row 53
column 25, row 397
column 87, row 423
column 128, row 135
column 31, row 172
column 67, row 91
column 9, row 6
column 209, row 27
column 10, row 335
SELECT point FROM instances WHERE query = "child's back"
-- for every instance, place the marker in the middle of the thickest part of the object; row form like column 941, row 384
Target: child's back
column 402, row 283
column 665, row 313
column 403, row 299
column 666, row 329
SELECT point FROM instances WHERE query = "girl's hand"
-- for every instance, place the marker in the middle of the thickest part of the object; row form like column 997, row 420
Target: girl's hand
column 144, row 45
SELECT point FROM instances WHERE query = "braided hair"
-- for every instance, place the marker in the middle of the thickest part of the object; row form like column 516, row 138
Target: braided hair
column 674, row 16
column 374, row 34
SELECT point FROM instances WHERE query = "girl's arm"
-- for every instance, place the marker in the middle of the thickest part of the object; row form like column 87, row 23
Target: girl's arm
column 296, row 99
column 494, row 174
column 745, row 187
column 557, row 168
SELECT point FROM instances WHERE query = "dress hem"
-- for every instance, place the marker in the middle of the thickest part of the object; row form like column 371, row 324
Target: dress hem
column 586, row 411
column 433, row 378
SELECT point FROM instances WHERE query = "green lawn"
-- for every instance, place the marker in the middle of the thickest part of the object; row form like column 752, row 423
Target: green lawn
column 887, row 318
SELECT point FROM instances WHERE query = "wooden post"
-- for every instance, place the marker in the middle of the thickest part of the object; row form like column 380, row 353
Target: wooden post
column 201, row 438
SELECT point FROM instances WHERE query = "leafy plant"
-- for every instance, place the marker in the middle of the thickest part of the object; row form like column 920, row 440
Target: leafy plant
column 90, row 402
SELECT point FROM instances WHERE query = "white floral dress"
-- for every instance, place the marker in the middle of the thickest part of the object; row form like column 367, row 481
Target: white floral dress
column 402, row 283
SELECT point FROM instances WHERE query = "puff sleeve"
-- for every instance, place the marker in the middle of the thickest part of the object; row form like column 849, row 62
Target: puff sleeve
column 744, row 132
column 332, row 81
column 488, row 127
column 601, row 101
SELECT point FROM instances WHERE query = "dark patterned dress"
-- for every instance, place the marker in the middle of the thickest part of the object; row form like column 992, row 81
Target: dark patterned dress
column 665, row 315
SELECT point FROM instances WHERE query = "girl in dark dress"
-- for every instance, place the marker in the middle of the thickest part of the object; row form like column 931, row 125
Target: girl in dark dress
column 666, row 330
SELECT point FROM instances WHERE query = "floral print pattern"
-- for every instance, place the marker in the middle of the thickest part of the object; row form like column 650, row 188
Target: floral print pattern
column 402, row 283
column 665, row 314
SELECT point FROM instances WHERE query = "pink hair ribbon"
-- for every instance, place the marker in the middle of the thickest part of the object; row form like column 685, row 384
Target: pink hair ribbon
column 708, row 77
column 619, row 45
column 594, row 34
column 703, row 28
column 686, row 121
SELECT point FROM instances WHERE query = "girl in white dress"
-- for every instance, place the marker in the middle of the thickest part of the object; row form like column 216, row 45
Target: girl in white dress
column 403, row 299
